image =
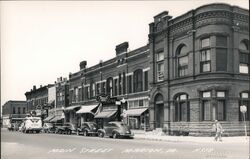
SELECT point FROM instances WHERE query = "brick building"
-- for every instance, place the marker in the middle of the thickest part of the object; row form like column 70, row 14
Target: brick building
column 199, row 69
column 122, row 77
column 194, row 70
column 37, row 101
column 13, row 111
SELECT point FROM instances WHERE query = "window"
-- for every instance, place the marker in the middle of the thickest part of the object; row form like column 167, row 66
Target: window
column 145, row 80
column 88, row 92
column 138, row 80
column 18, row 110
column 129, row 84
column 98, row 88
column 206, row 106
column 115, row 92
column 140, row 103
column 244, row 57
column 244, row 100
column 103, row 87
column 160, row 72
column 183, row 66
column 14, row 110
column 182, row 109
column 221, row 59
column 182, row 58
column 110, row 86
column 205, row 61
column 93, row 90
column 160, row 56
column 79, row 94
column 24, row 111
column 124, row 83
column 120, row 84
column 213, row 111
column 205, row 43
column 221, row 41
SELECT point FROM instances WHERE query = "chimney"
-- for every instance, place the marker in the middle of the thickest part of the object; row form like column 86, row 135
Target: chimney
column 41, row 86
column 83, row 65
column 34, row 87
column 121, row 48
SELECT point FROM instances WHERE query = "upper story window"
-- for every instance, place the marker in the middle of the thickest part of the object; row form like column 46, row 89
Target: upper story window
column 160, row 56
column 145, row 80
column 138, row 80
column 14, row 110
column 205, row 43
column 24, row 111
column 205, row 60
column 129, row 83
column 93, row 90
column 244, row 57
column 110, row 86
column 182, row 60
column 221, row 53
column 160, row 71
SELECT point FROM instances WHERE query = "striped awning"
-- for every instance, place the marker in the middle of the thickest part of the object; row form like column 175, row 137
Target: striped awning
column 135, row 112
column 48, row 118
column 106, row 114
column 56, row 118
column 72, row 107
column 86, row 109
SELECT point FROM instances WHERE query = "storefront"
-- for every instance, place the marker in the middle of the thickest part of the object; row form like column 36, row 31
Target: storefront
column 138, row 118
column 86, row 113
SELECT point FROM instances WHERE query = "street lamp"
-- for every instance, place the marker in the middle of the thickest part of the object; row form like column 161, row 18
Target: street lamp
column 243, row 110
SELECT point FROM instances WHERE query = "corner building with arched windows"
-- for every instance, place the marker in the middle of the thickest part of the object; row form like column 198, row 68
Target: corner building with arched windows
column 199, row 70
column 194, row 70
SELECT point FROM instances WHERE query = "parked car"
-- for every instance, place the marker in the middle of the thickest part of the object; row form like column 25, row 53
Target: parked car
column 115, row 130
column 48, row 127
column 32, row 124
column 67, row 128
column 88, row 128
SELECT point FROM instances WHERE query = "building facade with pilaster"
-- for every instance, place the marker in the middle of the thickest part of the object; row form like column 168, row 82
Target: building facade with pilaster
column 199, row 69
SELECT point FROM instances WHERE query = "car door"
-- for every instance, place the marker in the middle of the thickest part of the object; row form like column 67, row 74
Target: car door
column 109, row 129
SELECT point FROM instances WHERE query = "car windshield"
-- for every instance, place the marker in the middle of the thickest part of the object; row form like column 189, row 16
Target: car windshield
column 93, row 124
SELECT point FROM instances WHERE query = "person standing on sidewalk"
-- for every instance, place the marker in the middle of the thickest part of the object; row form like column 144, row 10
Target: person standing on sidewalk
column 218, row 130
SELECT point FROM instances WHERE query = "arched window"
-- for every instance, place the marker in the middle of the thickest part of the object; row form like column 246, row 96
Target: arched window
column 244, row 57
column 182, row 60
column 110, row 86
column 138, row 80
column 182, row 108
column 244, row 100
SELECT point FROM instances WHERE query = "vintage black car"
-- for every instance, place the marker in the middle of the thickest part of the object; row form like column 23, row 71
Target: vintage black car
column 67, row 128
column 115, row 130
column 88, row 128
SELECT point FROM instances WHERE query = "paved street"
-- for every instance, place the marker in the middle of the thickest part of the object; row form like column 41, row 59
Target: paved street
column 53, row 146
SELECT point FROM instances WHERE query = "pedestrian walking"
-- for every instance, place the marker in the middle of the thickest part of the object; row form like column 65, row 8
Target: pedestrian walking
column 218, row 130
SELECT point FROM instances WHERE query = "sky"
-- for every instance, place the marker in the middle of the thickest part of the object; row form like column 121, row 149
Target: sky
column 44, row 40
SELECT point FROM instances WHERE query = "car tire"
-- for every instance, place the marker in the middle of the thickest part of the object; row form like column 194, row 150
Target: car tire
column 85, row 133
column 100, row 134
column 115, row 135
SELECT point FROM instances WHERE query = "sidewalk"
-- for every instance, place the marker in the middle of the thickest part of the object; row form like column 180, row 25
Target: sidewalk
column 138, row 134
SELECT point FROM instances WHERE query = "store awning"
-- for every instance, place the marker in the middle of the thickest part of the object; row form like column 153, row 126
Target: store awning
column 135, row 112
column 72, row 107
column 106, row 114
column 48, row 118
column 56, row 118
column 87, row 109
